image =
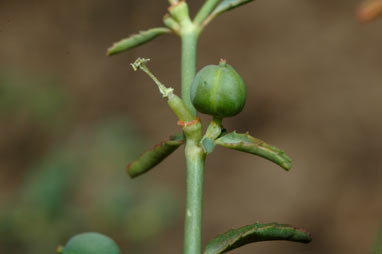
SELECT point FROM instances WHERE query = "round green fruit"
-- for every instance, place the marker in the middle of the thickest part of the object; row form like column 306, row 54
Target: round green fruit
column 218, row 90
column 91, row 243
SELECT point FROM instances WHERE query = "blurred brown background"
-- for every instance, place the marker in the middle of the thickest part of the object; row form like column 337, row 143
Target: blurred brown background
column 71, row 119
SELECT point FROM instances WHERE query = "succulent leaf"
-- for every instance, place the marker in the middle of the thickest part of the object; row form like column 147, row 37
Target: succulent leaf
column 136, row 40
column 154, row 156
column 247, row 143
column 236, row 238
column 224, row 6
column 227, row 5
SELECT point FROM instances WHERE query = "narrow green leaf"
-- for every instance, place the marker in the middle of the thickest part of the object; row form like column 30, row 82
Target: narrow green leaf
column 236, row 238
column 224, row 6
column 227, row 5
column 136, row 40
column 154, row 156
column 249, row 144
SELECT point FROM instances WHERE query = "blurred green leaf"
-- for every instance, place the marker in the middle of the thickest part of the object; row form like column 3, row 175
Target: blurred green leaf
column 136, row 40
column 377, row 248
column 78, row 184
column 236, row 238
column 40, row 100
column 51, row 184
column 249, row 144
column 146, row 219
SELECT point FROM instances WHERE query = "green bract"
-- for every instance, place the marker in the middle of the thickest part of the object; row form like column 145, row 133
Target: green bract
column 218, row 90
column 91, row 243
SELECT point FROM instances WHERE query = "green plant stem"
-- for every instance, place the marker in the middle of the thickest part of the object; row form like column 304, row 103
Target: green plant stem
column 189, row 45
column 195, row 156
column 206, row 9
column 193, row 219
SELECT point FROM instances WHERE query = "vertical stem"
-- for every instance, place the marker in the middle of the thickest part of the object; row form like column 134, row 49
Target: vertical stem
column 193, row 219
column 193, row 152
column 189, row 45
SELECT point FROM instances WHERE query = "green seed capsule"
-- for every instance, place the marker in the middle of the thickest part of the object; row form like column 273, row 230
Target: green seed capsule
column 91, row 243
column 218, row 90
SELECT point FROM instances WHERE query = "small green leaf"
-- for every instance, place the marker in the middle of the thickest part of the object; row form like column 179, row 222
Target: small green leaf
column 236, row 238
column 213, row 131
column 154, row 156
column 227, row 5
column 136, row 40
column 224, row 6
column 208, row 145
column 249, row 144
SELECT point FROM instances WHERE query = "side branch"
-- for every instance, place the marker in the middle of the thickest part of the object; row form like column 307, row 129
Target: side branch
column 205, row 11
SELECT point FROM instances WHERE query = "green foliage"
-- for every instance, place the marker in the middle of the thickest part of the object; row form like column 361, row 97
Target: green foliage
column 208, row 145
column 50, row 184
column 137, row 40
column 225, row 5
column 91, row 243
column 39, row 100
column 154, row 156
column 214, row 130
column 249, row 144
column 236, row 238
column 377, row 247
column 218, row 91
column 78, row 174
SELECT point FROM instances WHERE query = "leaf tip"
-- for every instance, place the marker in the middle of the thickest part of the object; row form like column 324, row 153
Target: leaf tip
column 287, row 165
column 130, row 171
column 303, row 236
column 113, row 49
column 109, row 52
